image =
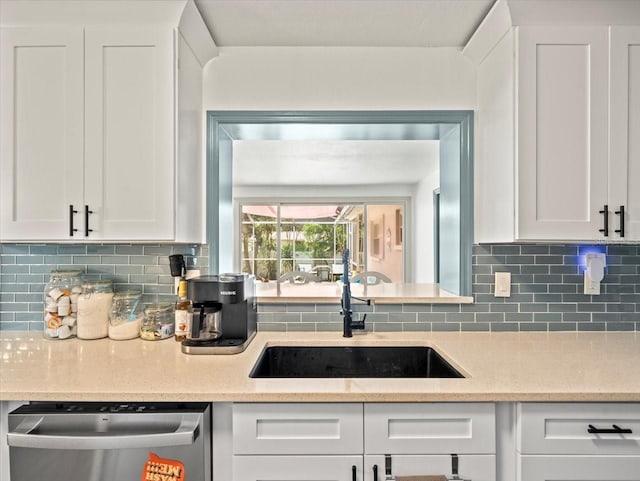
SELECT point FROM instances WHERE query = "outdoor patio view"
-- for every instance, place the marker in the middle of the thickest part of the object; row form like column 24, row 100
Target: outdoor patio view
column 304, row 243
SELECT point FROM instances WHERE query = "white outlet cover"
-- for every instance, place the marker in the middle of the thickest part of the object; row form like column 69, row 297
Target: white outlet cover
column 503, row 284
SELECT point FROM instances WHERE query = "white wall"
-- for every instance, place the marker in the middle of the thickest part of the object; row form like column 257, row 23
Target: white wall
column 315, row 78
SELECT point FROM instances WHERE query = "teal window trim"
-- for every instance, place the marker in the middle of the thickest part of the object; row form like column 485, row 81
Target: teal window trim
column 217, row 120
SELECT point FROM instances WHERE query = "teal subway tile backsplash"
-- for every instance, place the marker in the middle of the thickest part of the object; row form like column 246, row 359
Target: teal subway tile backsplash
column 25, row 269
column 546, row 289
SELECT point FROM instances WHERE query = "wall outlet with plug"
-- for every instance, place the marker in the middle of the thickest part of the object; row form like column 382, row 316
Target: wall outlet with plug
column 594, row 273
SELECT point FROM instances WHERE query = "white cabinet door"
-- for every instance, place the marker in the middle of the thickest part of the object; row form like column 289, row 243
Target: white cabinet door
column 297, row 468
column 579, row 468
column 624, row 172
column 41, row 119
column 129, row 132
column 470, row 467
column 433, row 428
column 291, row 428
column 579, row 428
column 562, row 96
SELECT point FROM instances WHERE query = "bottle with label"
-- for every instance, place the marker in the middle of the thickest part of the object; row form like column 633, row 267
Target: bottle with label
column 183, row 312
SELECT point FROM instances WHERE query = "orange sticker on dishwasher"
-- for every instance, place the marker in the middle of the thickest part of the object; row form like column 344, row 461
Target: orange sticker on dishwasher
column 160, row 469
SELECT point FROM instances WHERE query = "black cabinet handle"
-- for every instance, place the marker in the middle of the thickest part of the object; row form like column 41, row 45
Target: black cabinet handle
column 612, row 430
column 375, row 472
column 72, row 211
column 86, row 220
column 605, row 231
column 353, row 473
column 621, row 214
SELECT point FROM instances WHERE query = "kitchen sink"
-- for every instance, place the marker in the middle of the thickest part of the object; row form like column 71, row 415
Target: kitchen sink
column 352, row 361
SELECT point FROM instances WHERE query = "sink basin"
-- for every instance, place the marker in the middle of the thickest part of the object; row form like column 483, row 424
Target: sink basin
column 352, row 361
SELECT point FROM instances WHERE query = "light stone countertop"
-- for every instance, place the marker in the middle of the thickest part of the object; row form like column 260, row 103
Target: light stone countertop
column 331, row 292
column 567, row 366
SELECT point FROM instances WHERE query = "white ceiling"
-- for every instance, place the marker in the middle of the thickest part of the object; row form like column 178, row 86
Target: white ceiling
column 341, row 162
column 342, row 23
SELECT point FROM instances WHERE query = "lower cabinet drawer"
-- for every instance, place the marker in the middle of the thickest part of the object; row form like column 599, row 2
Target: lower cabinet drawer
column 470, row 466
column 579, row 468
column 430, row 428
column 590, row 428
column 290, row 428
column 297, row 468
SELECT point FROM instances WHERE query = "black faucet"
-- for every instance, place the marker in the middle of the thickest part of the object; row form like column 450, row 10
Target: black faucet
column 348, row 323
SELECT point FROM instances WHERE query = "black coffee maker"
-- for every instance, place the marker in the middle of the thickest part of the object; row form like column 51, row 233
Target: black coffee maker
column 224, row 314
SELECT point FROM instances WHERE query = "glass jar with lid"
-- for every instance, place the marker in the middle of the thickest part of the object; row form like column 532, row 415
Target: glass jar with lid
column 125, row 317
column 158, row 322
column 94, row 305
column 61, row 303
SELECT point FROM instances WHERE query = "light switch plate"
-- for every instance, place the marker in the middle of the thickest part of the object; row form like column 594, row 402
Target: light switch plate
column 503, row 284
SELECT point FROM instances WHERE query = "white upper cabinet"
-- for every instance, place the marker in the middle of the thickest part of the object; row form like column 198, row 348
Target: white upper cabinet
column 101, row 125
column 624, row 161
column 129, row 132
column 41, row 133
column 562, row 132
column 88, row 118
column 558, row 128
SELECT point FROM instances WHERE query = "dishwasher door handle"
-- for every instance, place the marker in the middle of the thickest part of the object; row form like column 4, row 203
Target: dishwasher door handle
column 185, row 434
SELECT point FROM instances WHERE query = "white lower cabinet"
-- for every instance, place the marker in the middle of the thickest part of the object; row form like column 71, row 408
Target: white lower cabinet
column 343, row 441
column 297, row 468
column 579, row 468
column 578, row 442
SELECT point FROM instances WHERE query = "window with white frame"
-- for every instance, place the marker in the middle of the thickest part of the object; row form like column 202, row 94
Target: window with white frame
column 303, row 242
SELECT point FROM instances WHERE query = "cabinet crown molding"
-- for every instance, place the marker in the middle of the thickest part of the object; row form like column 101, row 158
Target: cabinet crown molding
column 511, row 13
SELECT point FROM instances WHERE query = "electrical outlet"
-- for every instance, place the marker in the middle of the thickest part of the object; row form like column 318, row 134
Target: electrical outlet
column 503, row 284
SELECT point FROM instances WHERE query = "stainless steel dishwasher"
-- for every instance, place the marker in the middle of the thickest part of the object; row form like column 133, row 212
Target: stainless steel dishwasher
column 109, row 441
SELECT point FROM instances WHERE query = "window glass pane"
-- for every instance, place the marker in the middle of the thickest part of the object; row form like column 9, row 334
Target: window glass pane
column 259, row 241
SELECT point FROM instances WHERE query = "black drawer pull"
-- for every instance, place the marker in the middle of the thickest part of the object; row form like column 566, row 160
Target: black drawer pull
column 605, row 212
column 353, row 473
column 375, row 472
column 86, row 220
column 621, row 214
column 72, row 229
column 612, row 430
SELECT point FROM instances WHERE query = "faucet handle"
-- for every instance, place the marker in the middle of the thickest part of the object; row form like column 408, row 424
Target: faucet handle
column 359, row 325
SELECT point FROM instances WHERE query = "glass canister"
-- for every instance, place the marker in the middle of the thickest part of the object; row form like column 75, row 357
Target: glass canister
column 61, row 303
column 125, row 317
column 158, row 322
column 94, row 305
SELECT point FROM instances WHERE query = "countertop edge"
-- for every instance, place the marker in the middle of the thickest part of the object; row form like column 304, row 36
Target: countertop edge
column 328, row 398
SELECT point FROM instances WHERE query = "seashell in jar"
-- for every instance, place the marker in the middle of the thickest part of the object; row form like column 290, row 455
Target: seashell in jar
column 76, row 290
column 51, row 332
column 55, row 294
column 74, row 298
column 64, row 332
column 64, row 306
column 69, row 321
column 53, row 307
column 54, row 323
